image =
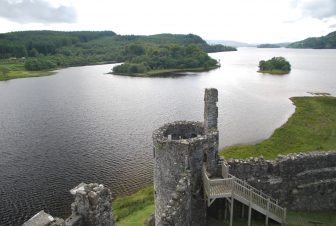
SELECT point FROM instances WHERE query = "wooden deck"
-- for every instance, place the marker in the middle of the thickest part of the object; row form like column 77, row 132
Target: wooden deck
column 233, row 188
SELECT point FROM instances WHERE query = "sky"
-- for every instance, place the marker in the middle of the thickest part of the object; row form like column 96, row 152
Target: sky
column 251, row 21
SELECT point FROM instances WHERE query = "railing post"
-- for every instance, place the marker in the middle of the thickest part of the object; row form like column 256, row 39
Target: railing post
column 250, row 209
column 267, row 212
column 231, row 210
column 284, row 217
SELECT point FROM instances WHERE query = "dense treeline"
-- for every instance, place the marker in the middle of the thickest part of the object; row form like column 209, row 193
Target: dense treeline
column 142, row 59
column 276, row 65
column 268, row 46
column 32, row 43
column 51, row 49
column 324, row 42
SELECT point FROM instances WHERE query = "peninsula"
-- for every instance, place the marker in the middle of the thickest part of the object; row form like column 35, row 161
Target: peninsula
column 38, row 53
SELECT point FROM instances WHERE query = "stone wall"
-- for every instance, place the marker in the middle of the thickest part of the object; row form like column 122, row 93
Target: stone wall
column 92, row 207
column 299, row 181
column 210, row 109
column 93, row 204
column 178, row 150
column 177, row 212
column 210, row 129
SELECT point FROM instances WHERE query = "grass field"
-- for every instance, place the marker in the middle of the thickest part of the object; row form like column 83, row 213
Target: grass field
column 17, row 70
column 134, row 208
column 294, row 218
column 311, row 127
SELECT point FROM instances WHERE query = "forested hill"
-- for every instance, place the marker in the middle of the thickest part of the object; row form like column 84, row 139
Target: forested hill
column 102, row 45
column 324, row 42
column 32, row 43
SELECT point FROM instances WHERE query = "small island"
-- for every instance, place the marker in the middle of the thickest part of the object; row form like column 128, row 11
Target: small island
column 154, row 60
column 276, row 65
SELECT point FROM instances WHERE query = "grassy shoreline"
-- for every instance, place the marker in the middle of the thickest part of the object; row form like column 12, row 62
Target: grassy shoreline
column 135, row 208
column 274, row 72
column 17, row 69
column 312, row 127
column 165, row 72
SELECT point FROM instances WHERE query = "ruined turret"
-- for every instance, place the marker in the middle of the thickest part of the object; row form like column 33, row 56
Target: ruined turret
column 180, row 150
column 210, row 129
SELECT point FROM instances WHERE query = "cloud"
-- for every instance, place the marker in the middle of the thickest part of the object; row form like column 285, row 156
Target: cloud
column 320, row 9
column 27, row 11
column 332, row 26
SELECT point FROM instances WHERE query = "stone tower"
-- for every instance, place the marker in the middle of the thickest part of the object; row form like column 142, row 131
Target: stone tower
column 180, row 150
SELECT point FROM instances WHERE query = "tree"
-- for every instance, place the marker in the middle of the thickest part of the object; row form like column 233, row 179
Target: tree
column 4, row 71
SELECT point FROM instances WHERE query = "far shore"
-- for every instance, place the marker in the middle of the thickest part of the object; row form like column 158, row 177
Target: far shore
column 165, row 72
column 19, row 71
column 274, row 72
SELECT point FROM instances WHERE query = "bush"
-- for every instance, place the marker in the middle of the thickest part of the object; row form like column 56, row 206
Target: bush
column 128, row 68
column 38, row 64
column 4, row 71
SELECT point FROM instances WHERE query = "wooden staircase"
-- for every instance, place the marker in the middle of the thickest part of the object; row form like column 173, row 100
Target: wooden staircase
column 233, row 188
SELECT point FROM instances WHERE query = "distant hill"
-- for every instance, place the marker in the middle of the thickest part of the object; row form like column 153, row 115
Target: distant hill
column 274, row 45
column 324, row 42
column 268, row 46
column 231, row 43
column 88, row 43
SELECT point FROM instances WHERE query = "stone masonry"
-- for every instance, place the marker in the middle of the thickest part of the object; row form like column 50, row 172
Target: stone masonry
column 180, row 150
column 305, row 181
column 92, row 207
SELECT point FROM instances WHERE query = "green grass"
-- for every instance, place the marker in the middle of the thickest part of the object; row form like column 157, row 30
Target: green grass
column 311, row 127
column 17, row 70
column 274, row 72
column 294, row 218
column 134, row 207
column 137, row 218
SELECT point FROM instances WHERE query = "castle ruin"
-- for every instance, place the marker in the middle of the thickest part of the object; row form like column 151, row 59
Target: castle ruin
column 190, row 179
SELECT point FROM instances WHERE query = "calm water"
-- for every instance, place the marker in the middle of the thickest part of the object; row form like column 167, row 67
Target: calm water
column 84, row 125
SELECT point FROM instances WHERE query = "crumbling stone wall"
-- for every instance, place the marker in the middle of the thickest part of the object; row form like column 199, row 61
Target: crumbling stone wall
column 210, row 109
column 92, row 207
column 299, row 181
column 210, row 129
column 93, row 203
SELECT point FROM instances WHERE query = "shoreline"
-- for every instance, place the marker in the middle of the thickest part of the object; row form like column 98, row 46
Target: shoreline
column 165, row 72
column 309, row 128
column 17, row 74
column 274, row 72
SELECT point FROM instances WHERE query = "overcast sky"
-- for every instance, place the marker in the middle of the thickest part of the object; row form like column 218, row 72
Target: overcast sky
column 253, row 21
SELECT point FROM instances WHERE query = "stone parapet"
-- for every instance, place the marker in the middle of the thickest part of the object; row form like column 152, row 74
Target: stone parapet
column 305, row 181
